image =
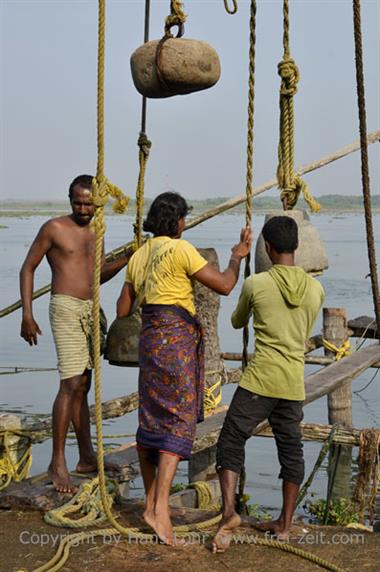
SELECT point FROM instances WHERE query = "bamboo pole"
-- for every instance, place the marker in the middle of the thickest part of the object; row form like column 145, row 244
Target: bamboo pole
column 227, row 205
column 110, row 256
column 239, row 199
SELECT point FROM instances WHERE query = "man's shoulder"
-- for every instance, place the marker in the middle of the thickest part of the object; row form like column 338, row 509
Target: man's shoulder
column 58, row 222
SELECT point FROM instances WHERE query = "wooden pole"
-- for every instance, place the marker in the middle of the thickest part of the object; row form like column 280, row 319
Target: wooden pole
column 339, row 404
column 207, row 302
column 340, row 400
column 239, row 199
column 227, row 205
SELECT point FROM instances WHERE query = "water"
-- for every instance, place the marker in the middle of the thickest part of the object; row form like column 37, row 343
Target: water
column 345, row 284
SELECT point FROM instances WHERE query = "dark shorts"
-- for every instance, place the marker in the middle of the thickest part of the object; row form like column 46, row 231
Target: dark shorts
column 246, row 411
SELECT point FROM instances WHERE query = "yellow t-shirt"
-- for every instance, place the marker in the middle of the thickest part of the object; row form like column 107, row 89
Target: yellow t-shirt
column 160, row 272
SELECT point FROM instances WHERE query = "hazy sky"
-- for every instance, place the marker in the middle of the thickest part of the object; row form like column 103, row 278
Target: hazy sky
column 48, row 97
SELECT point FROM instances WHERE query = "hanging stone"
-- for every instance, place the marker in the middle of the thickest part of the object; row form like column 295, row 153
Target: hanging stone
column 174, row 66
column 310, row 254
column 122, row 344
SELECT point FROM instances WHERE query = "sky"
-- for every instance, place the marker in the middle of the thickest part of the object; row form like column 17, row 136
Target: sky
column 48, row 52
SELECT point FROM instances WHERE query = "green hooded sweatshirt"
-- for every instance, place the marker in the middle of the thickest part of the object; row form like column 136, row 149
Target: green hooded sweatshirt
column 285, row 302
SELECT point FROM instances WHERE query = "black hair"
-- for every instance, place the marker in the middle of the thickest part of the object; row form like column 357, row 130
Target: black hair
column 164, row 214
column 281, row 232
column 84, row 181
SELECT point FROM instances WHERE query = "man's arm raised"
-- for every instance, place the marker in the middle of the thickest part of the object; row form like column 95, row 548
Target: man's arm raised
column 110, row 269
column 40, row 246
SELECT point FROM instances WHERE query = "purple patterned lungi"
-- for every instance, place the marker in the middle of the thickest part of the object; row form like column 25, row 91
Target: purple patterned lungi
column 171, row 379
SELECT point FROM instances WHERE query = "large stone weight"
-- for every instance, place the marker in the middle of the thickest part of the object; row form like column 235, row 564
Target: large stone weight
column 186, row 65
column 310, row 254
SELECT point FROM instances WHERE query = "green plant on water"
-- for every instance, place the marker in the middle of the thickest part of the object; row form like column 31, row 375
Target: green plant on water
column 340, row 512
column 259, row 512
column 178, row 487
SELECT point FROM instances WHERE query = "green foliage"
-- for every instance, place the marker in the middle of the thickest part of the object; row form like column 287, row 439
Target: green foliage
column 258, row 512
column 178, row 487
column 340, row 512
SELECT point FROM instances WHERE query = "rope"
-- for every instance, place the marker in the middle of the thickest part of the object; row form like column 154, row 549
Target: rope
column 233, row 9
column 87, row 501
column 341, row 352
column 322, row 454
column 249, row 164
column 212, row 395
column 144, row 150
column 289, row 182
column 364, row 159
column 176, row 18
column 9, row 468
column 204, row 496
column 63, row 552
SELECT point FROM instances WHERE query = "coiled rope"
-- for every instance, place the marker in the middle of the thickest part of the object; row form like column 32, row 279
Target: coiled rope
column 289, row 182
column 12, row 469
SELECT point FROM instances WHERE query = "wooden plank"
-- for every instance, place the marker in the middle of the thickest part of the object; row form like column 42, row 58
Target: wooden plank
column 316, row 385
column 364, row 326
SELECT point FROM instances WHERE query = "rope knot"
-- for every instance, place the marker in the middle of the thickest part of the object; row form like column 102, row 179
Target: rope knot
column 103, row 189
column 145, row 144
column 290, row 75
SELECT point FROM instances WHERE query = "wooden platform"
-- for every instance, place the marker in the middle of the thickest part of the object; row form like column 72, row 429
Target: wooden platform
column 38, row 493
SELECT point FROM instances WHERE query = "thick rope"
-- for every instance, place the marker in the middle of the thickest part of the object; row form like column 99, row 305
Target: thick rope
column 11, row 469
column 177, row 17
column 87, row 501
column 341, row 352
column 144, row 149
column 290, row 183
column 249, row 164
column 364, row 159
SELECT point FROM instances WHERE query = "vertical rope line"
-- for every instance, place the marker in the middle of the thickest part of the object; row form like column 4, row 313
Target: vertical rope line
column 249, row 173
column 144, row 149
column 364, row 158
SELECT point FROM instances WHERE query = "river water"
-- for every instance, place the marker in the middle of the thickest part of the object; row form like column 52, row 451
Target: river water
column 345, row 283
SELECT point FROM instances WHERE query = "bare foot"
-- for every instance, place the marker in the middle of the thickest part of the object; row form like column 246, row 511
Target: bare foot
column 162, row 526
column 61, row 479
column 222, row 539
column 275, row 528
column 90, row 465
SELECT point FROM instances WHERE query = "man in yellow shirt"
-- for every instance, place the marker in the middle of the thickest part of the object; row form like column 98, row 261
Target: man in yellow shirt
column 285, row 302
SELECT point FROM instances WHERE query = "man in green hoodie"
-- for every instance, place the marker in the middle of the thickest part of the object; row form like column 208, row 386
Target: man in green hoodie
column 285, row 302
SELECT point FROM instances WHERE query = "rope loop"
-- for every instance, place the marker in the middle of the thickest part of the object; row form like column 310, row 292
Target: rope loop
column 103, row 189
column 290, row 75
column 176, row 18
column 231, row 9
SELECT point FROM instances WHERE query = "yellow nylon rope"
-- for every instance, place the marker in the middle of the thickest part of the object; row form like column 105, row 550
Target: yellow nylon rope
column 341, row 352
column 10, row 469
column 290, row 183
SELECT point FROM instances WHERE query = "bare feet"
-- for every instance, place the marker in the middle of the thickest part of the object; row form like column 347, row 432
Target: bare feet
column 275, row 528
column 162, row 526
column 90, row 465
column 61, row 479
column 222, row 539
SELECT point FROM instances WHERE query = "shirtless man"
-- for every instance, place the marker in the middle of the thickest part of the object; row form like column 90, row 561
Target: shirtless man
column 69, row 246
